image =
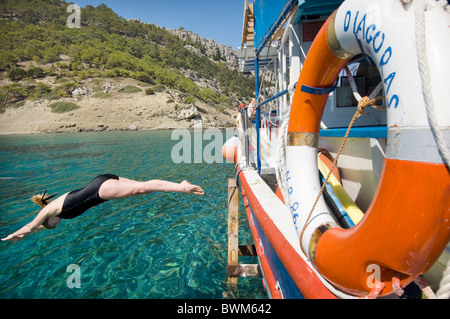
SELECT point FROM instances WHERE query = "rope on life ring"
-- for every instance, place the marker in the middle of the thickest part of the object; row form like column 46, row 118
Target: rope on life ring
column 363, row 102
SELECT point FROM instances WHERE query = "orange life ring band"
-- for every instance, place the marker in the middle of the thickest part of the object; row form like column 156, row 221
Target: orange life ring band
column 407, row 225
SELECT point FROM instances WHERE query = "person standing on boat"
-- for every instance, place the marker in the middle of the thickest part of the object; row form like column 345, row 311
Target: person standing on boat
column 100, row 189
column 240, row 109
column 251, row 110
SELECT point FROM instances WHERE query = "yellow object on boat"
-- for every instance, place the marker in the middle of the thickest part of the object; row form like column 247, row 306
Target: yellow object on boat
column 350, row 206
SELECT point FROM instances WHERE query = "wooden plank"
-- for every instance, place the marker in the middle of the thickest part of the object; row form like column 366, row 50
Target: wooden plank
column 248, row 23
column 233, row 227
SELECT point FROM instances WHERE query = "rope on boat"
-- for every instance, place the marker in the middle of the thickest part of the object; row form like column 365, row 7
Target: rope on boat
column 444, row 286
column 424, row 70
column 280, row 170
column 374, row 293
column 425, row 287
column 363, row 102
column 396, row 286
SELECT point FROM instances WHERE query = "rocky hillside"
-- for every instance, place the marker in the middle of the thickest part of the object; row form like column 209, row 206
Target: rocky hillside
column 218, row 52
column 43, row 61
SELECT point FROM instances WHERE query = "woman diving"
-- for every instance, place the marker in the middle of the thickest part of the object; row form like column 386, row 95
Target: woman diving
column 100, row 189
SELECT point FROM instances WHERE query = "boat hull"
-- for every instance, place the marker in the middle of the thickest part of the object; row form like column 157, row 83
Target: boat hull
column 286, row 272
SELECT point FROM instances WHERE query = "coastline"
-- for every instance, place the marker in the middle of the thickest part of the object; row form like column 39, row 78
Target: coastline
column 116, row 112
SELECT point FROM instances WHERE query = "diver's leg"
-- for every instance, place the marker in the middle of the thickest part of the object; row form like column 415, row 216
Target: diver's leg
column 123, row 188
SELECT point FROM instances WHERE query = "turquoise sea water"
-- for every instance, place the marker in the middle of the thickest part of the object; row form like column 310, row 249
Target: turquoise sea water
column 162, row 245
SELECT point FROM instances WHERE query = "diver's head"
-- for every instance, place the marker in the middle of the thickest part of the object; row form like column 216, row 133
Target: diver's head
column 41, row 199
column 51, row 222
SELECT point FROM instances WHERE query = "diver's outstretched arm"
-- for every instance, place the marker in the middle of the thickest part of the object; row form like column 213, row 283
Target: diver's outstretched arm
column 52, row 209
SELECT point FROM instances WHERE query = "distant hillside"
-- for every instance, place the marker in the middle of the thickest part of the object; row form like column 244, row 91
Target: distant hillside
column 35, row 43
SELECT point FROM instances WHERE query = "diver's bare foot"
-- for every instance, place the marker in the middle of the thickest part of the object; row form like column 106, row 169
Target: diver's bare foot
column 188, row 188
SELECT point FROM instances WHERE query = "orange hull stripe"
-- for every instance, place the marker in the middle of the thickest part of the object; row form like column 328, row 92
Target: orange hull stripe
column 304, row 277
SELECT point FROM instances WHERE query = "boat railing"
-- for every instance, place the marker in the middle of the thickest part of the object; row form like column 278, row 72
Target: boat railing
column 276, row 96
column 258, row 125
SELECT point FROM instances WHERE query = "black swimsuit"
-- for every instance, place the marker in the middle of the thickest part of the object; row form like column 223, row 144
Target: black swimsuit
column 77, row 202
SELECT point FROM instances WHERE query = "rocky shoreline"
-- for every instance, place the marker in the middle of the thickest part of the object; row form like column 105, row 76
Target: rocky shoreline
column 114, row 111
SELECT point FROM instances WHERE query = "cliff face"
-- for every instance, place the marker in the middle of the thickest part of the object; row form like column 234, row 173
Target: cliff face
column 215, row 51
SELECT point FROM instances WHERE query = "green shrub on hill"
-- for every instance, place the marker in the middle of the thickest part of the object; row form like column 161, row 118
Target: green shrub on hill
column 130, row 89
column 63, row 107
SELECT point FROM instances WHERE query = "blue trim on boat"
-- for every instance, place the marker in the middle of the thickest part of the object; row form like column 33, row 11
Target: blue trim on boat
column 366, row 132
column 318, row 91
column 338, row 204
column 289, row 289
column 275, row 96
column 258, row 116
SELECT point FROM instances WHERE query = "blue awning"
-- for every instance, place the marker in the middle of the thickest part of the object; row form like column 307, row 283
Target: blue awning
column 317, row 7
column 270, row 14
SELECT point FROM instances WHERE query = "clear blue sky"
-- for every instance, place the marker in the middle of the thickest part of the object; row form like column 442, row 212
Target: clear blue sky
column 212, row 19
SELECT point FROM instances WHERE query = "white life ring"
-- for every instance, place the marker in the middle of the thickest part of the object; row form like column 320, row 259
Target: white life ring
column 411, row 206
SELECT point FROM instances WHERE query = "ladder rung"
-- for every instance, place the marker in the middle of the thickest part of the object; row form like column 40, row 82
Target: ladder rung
column 244, row 270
